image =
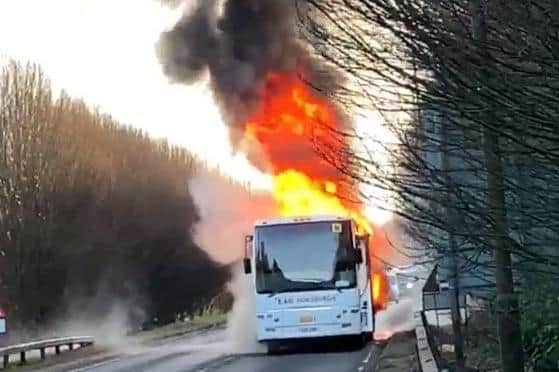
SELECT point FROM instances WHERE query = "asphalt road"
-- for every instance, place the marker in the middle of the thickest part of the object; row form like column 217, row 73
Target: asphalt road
column 316, row 360
column 207, row 352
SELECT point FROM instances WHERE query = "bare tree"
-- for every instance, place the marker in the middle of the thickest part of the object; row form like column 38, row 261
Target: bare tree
column 489, row 70
column 89, row 206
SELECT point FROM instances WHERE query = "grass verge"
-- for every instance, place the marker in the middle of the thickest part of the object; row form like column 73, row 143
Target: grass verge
column 180, row 328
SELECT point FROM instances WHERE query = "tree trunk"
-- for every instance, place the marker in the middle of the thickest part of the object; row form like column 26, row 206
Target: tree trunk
column 508, row 316
column 455, row 283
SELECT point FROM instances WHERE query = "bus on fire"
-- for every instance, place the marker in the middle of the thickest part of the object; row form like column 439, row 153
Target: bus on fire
column 312, row 278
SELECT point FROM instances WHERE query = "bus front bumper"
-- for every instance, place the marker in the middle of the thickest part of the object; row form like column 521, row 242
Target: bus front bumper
column 310, row 331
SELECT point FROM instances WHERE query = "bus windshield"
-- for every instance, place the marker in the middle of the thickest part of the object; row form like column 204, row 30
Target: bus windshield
column 304, row 256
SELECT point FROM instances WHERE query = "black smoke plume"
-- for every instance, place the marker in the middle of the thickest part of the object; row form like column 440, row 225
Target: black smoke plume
column 238, row 42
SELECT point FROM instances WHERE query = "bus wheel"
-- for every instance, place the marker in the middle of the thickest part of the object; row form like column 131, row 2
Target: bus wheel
column 356, row 342
column 273, row 347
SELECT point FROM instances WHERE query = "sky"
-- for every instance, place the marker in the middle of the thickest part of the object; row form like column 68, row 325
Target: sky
column 103, row 51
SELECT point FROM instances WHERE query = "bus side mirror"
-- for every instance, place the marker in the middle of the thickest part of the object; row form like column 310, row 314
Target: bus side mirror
column 246, row 263
column 248, row 251
column 358, row 256
column 248, row 245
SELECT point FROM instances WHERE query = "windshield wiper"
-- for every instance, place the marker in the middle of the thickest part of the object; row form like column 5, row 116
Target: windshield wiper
column 311, row 280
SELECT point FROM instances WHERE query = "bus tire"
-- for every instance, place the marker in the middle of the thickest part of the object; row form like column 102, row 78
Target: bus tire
column 356, row 342
column 272, row 348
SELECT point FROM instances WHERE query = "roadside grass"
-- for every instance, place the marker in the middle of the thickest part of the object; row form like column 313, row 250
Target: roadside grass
column 179, row 328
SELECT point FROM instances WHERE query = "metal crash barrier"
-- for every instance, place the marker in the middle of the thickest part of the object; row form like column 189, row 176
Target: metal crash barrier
column 426, row 349
column 425, row 354
column 42, row 346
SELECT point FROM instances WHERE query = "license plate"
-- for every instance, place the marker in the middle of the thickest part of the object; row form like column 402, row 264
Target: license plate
column 306, row 319
column 308, row 329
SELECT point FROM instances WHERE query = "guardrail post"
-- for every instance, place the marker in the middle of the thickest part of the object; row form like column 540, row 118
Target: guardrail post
column 42, row 346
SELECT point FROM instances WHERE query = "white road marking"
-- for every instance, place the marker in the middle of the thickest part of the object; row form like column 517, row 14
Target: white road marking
column 366, row 360
column 95, row 365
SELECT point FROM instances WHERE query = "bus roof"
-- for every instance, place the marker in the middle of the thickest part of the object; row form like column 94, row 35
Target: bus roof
column 302, row 219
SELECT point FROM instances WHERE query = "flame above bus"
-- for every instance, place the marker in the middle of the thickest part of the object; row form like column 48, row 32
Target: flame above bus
column 288, row 129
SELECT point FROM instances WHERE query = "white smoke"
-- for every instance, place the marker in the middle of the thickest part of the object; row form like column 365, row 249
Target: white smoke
column 107, row 317
column 109, row 329
column 227, row 213
column 399, row 317
column 241, row 323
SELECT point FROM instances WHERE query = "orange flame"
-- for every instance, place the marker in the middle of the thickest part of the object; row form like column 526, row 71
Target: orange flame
column 380, row 290
column 298, row 195
column 285, row 128
column 287, row 124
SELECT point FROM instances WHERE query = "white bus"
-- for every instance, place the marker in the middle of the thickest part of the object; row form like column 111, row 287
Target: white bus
column 312, row 280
